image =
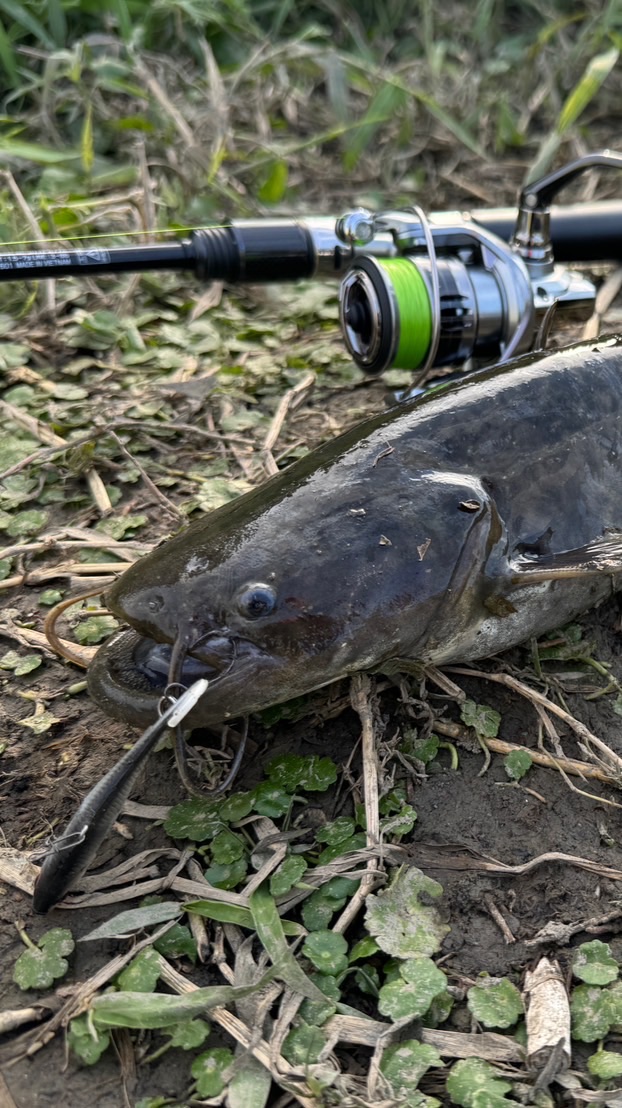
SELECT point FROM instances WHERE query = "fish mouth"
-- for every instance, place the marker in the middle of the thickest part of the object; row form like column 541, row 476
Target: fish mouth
column 153, row 660
column 129, row 674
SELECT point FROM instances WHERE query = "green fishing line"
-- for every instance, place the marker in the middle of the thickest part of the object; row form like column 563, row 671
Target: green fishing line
column 414, row 311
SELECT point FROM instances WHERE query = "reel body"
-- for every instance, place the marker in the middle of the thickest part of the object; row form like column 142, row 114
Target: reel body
column 456, row 291
column 471, row 284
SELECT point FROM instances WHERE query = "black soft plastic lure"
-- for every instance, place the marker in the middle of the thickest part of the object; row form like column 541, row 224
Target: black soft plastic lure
column 72, row 853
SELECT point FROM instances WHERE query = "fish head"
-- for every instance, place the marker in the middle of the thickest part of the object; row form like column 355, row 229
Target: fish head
column 283, row 592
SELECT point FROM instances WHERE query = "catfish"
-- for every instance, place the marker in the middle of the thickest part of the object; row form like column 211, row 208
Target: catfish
column 445, row 529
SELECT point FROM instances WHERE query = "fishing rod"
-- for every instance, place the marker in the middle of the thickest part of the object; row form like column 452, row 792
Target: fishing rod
column 417, row 290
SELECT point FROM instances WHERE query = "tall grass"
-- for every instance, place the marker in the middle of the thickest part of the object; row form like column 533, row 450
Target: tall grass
column 226, row 106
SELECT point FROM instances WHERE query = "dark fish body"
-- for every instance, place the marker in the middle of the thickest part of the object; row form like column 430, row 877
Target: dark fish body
column 448, row 528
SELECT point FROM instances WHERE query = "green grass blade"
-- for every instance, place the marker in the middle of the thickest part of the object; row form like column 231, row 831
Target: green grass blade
column 33, row 152
column 453, row 126
column 22, row 16
column 269, row 929
column 235, row 913
column 7, row 57
column 124, row 19
column 57, row 22
column 584, row 92
column 87, row 152
column 388, row 100
column 576, row 102
column 154, row 1010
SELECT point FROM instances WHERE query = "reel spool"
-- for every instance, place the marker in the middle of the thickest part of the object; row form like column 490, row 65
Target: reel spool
column 387, row 313
column 453, row 292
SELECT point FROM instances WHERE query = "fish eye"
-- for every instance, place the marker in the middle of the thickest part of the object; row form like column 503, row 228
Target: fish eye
column 256, row 601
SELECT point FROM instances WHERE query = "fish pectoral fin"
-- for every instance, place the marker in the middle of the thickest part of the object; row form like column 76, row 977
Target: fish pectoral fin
column 603, row 556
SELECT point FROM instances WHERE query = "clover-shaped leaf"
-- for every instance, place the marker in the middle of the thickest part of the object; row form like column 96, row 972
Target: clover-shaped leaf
column 142, row 974
column 20, row 663
column 38, row 967
column 293, row 771
column 399, row 823
column 119, row 526
column 517, row 764
column 483, row 719
column 227, row 847
column 209, row 1068
column 495, row 1003
column 594, row 964
column 271, row 800
column 49, row 597
column 86, row 1041
column 337, row 831
column 316, row 1012
column 189, row 1034
column 473, row 1083
column 327, row 950
column 355, row 842
column 287, row 875
column 319, row 908
column 195, row 819
column 303, row 1045
column 236, row 807
column 605, row 1064
column 95, row 629
column 591, row 1012
column 40, row 721
column 411, row 994
column 177, row 942
column 402, row 923
column 26, row 523
column 405, row 1063
column 227, row 875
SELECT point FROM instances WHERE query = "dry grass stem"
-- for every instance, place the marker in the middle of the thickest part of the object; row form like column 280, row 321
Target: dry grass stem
column 35, row 231
column 11, row 1019
column 25, row 637
column 498, row 746
column 288, row 402
column 497, row 916
column 488, row 1045
column 167, row 504
column 605, row 297
column 610, row 759
column 361, row 699
column 558, row 933
column 439, row 858
column 6, row 1100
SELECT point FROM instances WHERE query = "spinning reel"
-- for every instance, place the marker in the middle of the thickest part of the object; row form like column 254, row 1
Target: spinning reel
column 455, row 290
column 417, row 291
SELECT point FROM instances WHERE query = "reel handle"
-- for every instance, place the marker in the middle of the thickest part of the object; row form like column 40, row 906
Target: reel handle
column 579, row 232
